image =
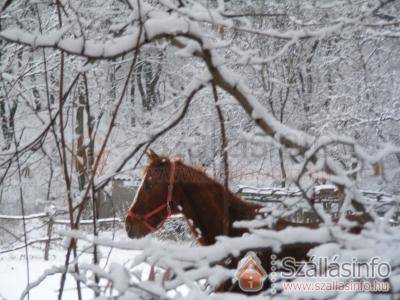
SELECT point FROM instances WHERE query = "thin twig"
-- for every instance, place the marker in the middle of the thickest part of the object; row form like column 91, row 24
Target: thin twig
column 21, row 198
column 224, row 153
column 65, row 169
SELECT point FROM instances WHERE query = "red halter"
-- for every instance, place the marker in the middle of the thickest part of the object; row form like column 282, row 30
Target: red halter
column 144, row 218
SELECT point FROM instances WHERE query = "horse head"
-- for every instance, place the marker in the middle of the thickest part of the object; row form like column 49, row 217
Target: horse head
column 152, row 204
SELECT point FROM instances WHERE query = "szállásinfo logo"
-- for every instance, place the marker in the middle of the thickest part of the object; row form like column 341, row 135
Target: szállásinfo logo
column 250, row 273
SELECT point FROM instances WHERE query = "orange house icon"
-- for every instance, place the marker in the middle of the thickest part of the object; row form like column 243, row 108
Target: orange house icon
column 250, row 273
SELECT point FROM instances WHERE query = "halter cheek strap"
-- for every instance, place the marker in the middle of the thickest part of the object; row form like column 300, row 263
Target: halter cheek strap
column 145, row 218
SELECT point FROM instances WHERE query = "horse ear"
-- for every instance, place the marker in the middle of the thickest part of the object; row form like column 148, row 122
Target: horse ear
column 152, row 155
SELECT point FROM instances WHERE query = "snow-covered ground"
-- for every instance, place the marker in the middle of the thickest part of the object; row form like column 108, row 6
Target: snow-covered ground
column 13, row 274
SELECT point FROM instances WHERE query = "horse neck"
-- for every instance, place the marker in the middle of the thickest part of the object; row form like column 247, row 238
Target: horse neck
column 202, row 201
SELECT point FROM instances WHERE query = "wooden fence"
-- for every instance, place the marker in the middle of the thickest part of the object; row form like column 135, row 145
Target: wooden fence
column 51, row 220
column 328, row 196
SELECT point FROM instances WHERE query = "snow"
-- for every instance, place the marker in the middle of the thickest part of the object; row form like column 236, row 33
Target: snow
column 78, row 46
column 168, row 25
column 189, row 50
column 13, row 267
column 196, row 43
column 25, row 37
column 181, row 253
column 124, row 260
column 283, row 192
column 27, row 217
column 13, row 278
column 242, row 189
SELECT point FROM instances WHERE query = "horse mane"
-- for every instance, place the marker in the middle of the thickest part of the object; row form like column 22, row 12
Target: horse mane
column 198, row 170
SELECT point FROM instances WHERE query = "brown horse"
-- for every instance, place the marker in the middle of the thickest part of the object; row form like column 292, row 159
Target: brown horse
column 170, row 186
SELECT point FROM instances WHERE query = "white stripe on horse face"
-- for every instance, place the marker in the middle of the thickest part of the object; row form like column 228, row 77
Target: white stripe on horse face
column 138, row 190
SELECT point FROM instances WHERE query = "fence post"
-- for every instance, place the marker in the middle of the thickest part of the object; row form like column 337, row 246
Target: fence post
column 51, row 212
column 49, row 232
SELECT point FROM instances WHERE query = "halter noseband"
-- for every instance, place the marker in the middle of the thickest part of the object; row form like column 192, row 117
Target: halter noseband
column 144, row 218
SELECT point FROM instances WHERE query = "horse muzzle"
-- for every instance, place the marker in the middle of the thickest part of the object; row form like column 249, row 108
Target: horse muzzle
column 134, row 229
